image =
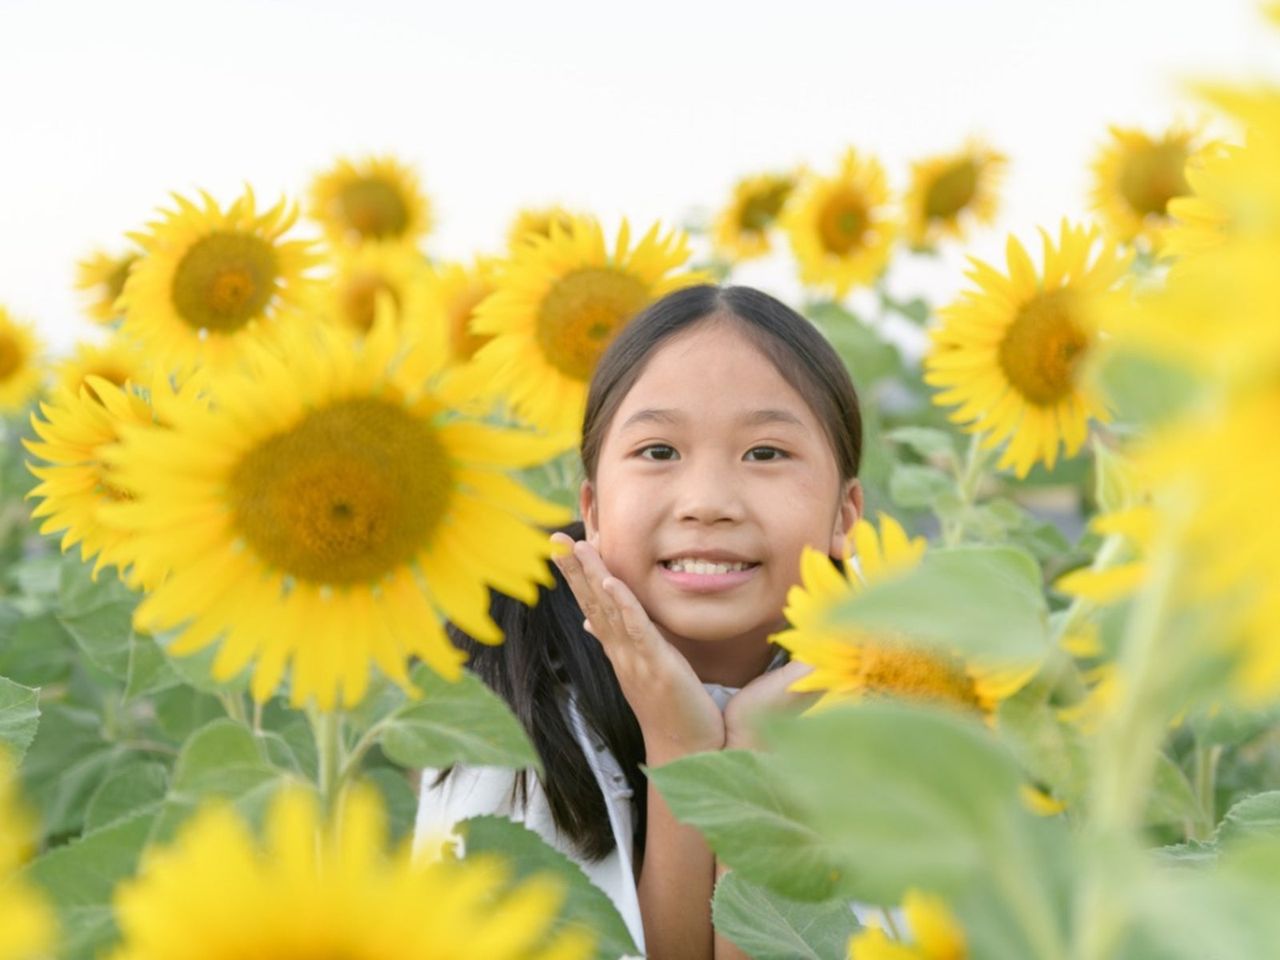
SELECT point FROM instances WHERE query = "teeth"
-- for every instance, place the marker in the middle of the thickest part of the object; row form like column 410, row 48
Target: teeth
column 690, row 565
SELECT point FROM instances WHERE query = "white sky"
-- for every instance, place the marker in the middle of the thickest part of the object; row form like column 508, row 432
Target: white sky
column 642, row 109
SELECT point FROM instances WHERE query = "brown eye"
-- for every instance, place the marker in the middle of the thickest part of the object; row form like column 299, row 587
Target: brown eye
column 765, row 454
column 658, row 451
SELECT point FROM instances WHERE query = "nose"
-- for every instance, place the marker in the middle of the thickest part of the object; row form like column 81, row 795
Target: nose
column 705, row 492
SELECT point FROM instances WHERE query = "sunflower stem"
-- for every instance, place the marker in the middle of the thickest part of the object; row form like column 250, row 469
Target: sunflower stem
column 1205, row 773
column 968, row 477
column 326, row 727
column 234, row 706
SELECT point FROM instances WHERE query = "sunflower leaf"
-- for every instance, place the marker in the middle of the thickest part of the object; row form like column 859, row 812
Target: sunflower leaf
column 19, row 716
column 770, row 927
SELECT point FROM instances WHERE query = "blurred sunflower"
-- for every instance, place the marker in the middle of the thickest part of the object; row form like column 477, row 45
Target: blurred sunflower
column 312, row 890
column 21, row 374
column 559, row 303
column 372, row 271
column 742, row 229
column 375, row 198
column 459, row 289
column 950, row 192
column 102, row 276
column 935, row 934
column 849, row 663
column 1135, row 175
column 841, row 227
column 1008, row 353
column 332, row 509
column 27, row 925
column 210, row 280
column 116, row 361
column 532, row 222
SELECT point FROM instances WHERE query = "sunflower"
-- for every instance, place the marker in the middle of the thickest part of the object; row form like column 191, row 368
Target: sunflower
column 1009, row 352
column 849, row 664
column 210, row 280
column 459, row 289
column 741, row 231
column 375, row 198
column 366, row 274
column 1135, row 175
column 331, row 508
column 949, row 192
column 532, row 222
column 559, row 303
column 102, row 276
column 27, row 926
column 310, row 890
column 840, row 227
column 935, row 934
column 117, row 361
column 20, row 372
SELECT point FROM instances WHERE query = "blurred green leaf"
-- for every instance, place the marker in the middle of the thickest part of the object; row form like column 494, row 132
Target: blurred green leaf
column 1254, row 816
column 928, row 442
column 767, row 926
column 130, row 789
column 67, row 760
column 914, row 486
column 34, row 650
column 398, row 798
column 19, row 717
column 1144, row 390
column 1172, row 799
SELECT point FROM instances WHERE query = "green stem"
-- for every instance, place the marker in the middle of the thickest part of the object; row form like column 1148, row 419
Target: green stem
column 326, row 727
column 1205, row 772
column 356, row 754
column 967, row 478
column 234, row 706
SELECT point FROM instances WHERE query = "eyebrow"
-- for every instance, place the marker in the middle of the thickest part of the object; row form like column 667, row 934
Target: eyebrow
column 756, row 418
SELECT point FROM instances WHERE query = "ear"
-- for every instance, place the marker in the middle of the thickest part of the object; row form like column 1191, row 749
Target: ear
column 848, row 514
column 587, row 507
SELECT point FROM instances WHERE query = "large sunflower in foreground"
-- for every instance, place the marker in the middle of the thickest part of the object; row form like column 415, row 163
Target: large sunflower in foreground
column 20, row 372
column 210, row 280
column 742, row 229
column 1135, row 176
column 841, row 227
column 331, row 511
column 1009, row 353
column 116, row 361
column 459, row 289
column 314, row 891
column 852, row 663
column 935, row 934
column 374, row 198
column 559, row 303
column 27, row 926
column 948, row 193
column 101, row 276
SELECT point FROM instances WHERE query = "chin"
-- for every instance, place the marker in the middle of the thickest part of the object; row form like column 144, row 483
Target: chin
column 706, row 629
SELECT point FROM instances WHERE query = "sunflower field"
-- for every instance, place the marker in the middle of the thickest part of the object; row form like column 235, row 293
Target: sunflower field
column 234, row 525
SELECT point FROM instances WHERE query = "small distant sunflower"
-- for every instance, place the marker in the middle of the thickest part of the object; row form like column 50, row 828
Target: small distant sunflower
column 116, row 361
column 315, row 890
column 559, row 303
column 210, row 280
column 536, row 222
column 376, row 198
column 742, row 230
column 852, row 663
column 27, row 926
column 332, row 509
column 935, row 934
column 950, row 192
column 841, row 227
column 459, row 289
column 21, row 374
column 1135, row 176
column 102, row 276
column 1009, row 353
column 365, row 274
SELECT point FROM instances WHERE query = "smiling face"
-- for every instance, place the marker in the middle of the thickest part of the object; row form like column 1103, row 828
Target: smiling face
column 713, row 476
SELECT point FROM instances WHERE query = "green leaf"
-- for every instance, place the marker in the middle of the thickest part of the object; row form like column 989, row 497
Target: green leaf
column 180, row 711
column 130, row 789
column 196, row 668
column 19, row 716
column 1258, row 815
column 928, row 442
column 463, row 722
column 1172, row 799
column 869, row 357
column 66, row 761
column 1145, row 390
column 398, row 798
column 34, row 651
column 1050, row 750
column 735, row 800
column 586, row 905
column 767, row 926
column 914, row 486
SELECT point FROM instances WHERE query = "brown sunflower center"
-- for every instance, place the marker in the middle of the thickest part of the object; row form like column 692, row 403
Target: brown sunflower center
column 1042, row 347
column 12, row 356
column 373, row 208
column 581, row 315
column 842, row 222
column 916, row 673
column 761, row 209
column 225, row 280
column 1153, row 175
column 360, row 298
column 951, row 190
column 350, row 493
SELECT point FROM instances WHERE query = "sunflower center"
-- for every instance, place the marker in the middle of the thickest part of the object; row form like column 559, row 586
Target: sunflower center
column 360, row 298
column 1152, row 176
column 225, row 280
column 1041, row 348
column 916, row 673
column 353, row 491
column 374, row 208
column 465, row 342
column 843, row 222
column 761, row 208
column 951, row 191
column 581, row 315
column 11, row 356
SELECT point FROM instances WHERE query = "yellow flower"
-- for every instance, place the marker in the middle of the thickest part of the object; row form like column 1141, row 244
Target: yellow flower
column 935, row 934
column 849, row 663
column 375, row 198
column 374, row 271
column 459, row 289
column 102, row 276
column 950, row 192
column 841, row 227
column 1135, row 176
column 742, row 229
column 559, row 303
column 27, row 926
column 117, row 361
column 312, row 890
column 535, row 222
column 20, row 372
column 210, row 280
column 1008, row 353
column 331, row 508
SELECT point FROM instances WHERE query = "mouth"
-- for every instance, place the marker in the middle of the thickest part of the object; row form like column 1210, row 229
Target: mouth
column 704, row 566
column 707, row 575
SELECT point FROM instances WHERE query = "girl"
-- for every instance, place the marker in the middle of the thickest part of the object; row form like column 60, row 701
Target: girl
column 722, row 435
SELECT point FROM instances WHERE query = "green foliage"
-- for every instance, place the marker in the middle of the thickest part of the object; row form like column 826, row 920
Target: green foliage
column 19, row 715
column 768, row 926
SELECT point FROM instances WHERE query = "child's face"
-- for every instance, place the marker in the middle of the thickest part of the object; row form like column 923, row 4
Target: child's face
column 713, row 456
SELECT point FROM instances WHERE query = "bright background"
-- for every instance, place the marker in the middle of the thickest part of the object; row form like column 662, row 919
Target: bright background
column 644, row 110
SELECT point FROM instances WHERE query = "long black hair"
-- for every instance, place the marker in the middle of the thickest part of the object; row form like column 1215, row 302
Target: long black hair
column 546, row 651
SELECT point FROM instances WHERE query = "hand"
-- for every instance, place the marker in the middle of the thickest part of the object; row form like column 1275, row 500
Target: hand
column 766, row 692
column 676, row 714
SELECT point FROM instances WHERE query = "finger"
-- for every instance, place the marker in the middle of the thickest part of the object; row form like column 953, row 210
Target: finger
column 635, row 622
column 596, row 573
column 574, row 575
